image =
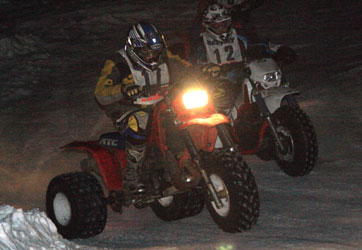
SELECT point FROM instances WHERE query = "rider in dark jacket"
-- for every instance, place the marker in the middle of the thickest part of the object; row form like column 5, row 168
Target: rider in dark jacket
column 223, row 44
column 240, row 11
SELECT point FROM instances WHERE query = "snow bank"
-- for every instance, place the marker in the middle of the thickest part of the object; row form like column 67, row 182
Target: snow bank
column 29, row 230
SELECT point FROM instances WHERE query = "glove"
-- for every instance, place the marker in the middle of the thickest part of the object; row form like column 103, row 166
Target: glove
column 285, row 55
column 131, row 90
column 211, row 68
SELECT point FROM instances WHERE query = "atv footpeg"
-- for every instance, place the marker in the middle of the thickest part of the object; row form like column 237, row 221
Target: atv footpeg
column 136, row 189
column 115, row 200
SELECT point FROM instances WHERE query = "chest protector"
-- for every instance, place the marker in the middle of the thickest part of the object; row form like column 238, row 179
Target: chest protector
column 222, row 52
column 147, row 78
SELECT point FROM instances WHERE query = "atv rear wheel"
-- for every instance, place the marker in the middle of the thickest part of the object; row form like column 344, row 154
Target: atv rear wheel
column 75, row 203
column 179, row 206
column 238, row 192
column 297, row 135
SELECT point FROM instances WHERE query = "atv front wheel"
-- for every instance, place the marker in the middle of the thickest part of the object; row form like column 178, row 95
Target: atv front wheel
column 238, row 193
column 75, row 203
column 179, row 206
column 298, row 137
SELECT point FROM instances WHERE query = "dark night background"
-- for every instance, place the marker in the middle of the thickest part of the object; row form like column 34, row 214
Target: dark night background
column 49, row 63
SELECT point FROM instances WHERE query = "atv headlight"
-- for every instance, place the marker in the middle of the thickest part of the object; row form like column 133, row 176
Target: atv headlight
column 195, row 99
column 272, row 76
column 271, row 79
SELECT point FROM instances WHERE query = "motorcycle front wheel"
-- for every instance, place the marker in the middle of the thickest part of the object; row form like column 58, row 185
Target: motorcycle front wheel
column 236, row 187
column 296, row 132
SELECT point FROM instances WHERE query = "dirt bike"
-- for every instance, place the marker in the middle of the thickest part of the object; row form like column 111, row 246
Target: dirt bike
column 267, row 120
column 181, row 172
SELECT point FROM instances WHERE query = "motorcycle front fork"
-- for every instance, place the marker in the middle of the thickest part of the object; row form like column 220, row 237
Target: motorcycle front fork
column 265, row 113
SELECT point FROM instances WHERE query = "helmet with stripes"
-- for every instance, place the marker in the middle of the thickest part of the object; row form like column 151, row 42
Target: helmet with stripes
column 145, row 45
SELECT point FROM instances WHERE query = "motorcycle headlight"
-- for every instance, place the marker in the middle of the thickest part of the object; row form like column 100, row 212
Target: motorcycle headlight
column 195, row 99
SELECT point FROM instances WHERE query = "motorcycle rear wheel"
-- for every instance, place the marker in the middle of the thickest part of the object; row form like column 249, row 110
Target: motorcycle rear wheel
column 75, row 203
column 238, row 191
column 179, row 206
column 298, row 136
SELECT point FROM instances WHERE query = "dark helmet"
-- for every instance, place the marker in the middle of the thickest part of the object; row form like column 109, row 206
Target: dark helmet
column 145, row 45
column 217, row 22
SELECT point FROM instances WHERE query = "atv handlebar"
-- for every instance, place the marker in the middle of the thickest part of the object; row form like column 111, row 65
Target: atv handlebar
column 227, row 67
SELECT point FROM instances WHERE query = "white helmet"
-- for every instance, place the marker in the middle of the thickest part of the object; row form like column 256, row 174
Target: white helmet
column 217, row 22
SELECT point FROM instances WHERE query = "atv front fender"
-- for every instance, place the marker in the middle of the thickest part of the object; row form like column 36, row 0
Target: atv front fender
column 274, row 96
column 109, row 164
column 210, row 121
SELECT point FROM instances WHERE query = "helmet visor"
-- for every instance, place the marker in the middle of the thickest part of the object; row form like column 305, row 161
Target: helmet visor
column 148, row 55
column 220, row 27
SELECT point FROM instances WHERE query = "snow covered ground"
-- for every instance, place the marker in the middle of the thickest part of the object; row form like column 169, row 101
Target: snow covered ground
column 30, row 230
column 49, row 65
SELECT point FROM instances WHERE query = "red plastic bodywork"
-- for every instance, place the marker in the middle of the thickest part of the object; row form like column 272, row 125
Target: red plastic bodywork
column 110, row 164
column 208, row 121
column 199, row 122
column 263, row 128
column 261, row 135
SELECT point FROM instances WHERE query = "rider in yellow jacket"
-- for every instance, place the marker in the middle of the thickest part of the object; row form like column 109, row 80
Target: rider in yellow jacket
column 116, row 76
column 144, row 64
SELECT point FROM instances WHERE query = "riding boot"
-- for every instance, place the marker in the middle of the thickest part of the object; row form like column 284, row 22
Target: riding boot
column 135, row 157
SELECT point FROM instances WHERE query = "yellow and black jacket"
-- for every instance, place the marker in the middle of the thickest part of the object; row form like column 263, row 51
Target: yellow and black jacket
column 116, row 73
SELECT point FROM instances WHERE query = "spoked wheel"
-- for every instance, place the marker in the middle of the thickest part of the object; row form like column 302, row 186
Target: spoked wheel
column 300, row 148
column 179, row 206
column 75, row 203
column 237, row 190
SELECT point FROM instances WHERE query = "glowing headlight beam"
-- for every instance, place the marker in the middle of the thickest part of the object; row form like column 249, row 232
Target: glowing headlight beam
column 195, row 99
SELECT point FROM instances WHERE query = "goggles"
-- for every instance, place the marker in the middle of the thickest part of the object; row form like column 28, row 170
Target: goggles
column 220, row 27
column 147, row 55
